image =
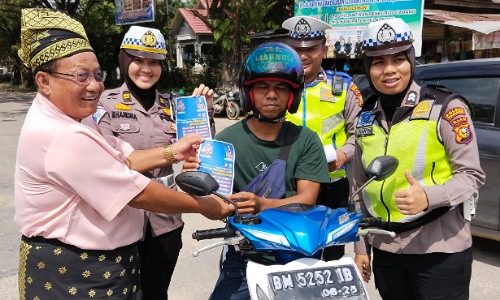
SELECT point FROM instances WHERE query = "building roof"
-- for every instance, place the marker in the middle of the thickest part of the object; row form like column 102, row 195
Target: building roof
column 196, row 24
column 483, row 23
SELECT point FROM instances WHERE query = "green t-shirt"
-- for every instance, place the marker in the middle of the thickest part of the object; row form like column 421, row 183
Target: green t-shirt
column 306, row 159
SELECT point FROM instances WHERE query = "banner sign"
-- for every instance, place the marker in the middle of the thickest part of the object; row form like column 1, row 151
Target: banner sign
column 485, row 41
column 349, row 19
column 134, row 11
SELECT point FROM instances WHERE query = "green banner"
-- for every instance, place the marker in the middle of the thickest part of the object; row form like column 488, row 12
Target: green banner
column 349, row 19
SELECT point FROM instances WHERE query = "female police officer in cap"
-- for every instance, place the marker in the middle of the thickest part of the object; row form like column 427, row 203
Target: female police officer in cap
column 431, row 133
column 138, row 114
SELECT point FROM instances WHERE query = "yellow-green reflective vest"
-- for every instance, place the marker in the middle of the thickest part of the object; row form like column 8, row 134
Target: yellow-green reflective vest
column 323, row 113
column 414, row 142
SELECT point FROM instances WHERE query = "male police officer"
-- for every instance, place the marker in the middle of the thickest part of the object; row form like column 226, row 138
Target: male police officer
column 329, row 106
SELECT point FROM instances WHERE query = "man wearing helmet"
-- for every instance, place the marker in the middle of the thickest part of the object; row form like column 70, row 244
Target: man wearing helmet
column 430, row 257
column 327, row 109
column 271, row 83
column 138, row 114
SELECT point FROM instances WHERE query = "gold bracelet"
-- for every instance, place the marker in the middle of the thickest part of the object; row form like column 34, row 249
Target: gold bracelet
column 169, row 155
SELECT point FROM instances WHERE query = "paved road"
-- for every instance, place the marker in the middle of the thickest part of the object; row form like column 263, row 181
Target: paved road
column 194, row 278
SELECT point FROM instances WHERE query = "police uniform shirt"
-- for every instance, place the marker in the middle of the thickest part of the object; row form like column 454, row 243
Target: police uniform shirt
column 121, row 115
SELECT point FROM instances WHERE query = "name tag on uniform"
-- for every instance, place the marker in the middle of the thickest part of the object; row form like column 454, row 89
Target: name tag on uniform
column 364, row 131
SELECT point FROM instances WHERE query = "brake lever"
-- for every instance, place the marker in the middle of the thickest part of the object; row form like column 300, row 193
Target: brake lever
column 232, row 241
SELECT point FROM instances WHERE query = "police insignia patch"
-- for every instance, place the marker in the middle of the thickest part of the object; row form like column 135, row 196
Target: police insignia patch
column 356, row 92
column 100, row 112
column 166, row 111
column 386, row 34
column 126, row 97
column 422, row 110
column 412, row 97
column 325, row 94
column 463, row 133
column 125, row 127
column 365, row 119
column 122, row 106
column 452, row 113
column 302, row 28
column 149, row 39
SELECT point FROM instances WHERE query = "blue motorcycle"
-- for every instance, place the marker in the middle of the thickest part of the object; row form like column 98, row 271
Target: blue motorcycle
column 295, row 235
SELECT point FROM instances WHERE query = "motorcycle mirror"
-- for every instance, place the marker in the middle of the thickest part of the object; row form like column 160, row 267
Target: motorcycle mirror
column 382, row 167
column 197, row 183
column 202, row 184
column 379, row 169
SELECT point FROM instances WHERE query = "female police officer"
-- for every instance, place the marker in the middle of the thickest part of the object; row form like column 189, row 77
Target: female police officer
column 431, row 133
column 138, row 114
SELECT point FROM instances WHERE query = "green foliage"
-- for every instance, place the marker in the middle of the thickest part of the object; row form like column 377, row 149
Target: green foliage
column 186, row 79
column 232, row 22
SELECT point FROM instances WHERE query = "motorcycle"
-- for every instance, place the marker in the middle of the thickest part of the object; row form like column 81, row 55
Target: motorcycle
column 295, row 234
column 227, row 100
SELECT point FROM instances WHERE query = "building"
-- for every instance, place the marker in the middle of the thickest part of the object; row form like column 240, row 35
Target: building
column 452, row 30
column 459, row 30
column 191, row 35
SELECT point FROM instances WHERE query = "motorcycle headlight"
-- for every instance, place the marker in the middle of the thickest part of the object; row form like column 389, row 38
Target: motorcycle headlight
column 230, row 94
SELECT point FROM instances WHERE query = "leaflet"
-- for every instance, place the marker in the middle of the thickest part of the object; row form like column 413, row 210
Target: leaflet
column 217, row 159
column 192, row 116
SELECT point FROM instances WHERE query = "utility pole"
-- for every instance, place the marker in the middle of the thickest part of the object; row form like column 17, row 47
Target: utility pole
column 168, row 35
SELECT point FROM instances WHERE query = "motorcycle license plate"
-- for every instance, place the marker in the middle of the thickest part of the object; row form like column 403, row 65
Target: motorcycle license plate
column 321, row 283
column 309, row 279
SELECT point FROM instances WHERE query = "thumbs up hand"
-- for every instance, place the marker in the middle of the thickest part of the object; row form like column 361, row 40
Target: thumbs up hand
column 412, row 200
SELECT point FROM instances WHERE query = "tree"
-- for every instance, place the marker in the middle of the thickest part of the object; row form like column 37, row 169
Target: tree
column 232, row 22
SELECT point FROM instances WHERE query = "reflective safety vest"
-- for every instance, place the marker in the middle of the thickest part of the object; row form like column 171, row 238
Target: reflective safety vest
column 323, row 113
column 413, row 140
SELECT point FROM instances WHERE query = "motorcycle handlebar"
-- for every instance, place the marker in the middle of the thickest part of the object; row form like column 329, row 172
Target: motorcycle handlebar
column 213, row 233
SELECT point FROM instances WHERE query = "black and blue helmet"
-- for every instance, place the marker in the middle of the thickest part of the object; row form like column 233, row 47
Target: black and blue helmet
column 272, row 61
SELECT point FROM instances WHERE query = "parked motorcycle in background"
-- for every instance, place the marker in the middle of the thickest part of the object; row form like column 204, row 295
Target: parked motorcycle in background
column 227, row 100
column 295, row 235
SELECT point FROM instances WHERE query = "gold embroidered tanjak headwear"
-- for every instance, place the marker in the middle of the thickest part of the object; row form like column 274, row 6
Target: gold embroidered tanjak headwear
column 48, row 34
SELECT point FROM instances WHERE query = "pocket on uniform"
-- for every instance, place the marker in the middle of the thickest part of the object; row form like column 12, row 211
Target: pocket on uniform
column 169, row 127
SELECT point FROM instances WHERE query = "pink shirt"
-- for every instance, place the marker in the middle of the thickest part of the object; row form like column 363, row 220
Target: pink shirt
column 71, row 183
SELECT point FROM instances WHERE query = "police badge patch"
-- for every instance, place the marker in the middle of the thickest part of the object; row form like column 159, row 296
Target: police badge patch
column 302, row 28
column 423, row 110
column 366, row 118
column 463, row 133
column 364, row 126
column 412, row 98
column 386, row 34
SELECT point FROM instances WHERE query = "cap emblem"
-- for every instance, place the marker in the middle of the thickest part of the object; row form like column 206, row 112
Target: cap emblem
column 302, row 28
column 149, row 39
column 386, row 34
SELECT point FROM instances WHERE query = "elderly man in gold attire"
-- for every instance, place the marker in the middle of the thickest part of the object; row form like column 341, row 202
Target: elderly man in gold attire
column 79, row 195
